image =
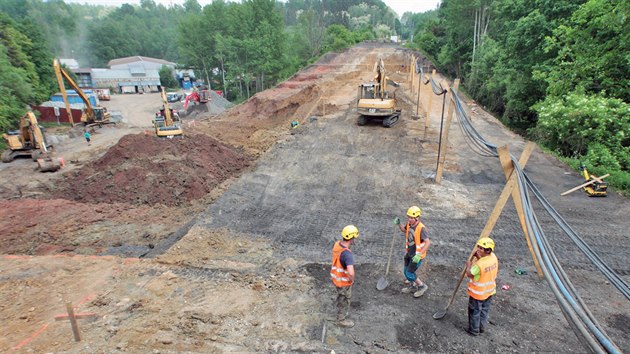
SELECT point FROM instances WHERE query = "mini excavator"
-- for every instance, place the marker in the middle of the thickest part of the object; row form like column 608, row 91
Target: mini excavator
column 375, row 101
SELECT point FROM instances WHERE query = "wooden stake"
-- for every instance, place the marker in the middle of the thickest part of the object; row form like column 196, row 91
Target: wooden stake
column 598, row 179
column 449, row 118
column 508, row 169
column 73, row 319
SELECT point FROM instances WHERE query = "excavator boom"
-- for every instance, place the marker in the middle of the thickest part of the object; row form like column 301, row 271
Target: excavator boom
column 90, row 117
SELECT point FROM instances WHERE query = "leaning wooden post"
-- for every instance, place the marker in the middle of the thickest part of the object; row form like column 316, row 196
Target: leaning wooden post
column 508, row 169
column 507, row 191
column 444, row 139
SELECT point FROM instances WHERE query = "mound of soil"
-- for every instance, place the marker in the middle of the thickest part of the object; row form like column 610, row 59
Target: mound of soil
column 142, row 169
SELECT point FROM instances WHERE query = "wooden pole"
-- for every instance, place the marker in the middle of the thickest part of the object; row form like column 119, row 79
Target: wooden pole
column 508, row 169
column 73, row 322
column 598, row 179
column 444, row 139
column 507, row 191
column 431, row 94
column 419, row 90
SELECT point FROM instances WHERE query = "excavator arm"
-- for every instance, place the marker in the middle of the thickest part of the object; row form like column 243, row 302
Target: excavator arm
column 168, row 118
column 62, row 74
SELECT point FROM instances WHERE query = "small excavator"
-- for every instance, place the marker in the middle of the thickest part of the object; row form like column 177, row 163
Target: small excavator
column 92, row 115
column 167, row 122
column 375, row 101
column 30, row 141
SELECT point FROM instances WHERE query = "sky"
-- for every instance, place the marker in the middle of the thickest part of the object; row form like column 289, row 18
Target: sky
column 399, row 6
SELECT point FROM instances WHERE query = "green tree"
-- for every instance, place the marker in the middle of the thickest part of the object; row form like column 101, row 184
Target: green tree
column 592, row 49
column 167, row 78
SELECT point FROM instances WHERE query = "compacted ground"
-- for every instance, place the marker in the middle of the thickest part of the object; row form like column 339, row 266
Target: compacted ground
column 221, row 241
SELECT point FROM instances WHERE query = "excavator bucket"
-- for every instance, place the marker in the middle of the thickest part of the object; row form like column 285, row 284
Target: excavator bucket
column 48, row 164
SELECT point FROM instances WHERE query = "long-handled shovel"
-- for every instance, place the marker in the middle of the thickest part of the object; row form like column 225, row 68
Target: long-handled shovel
column 441, row 313
column 383, row 282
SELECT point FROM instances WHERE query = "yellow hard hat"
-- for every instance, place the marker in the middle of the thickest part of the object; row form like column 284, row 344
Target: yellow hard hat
column 349, row 232
column 486, row 242
column 414, row 212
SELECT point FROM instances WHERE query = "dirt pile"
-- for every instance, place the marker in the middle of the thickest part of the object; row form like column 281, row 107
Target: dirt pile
column 142, row 169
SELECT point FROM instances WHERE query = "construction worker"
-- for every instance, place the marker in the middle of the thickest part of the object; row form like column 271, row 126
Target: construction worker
column 342, row 273
column 416, row 246
column 482, row 270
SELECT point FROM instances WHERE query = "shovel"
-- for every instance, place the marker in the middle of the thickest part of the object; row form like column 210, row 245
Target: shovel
column 383, row 282
column 441, row 313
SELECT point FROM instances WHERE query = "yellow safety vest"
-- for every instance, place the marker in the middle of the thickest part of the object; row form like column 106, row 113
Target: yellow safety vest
column 486, row 285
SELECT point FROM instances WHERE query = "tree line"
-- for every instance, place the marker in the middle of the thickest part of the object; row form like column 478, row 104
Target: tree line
column 556, row 71
column 238, row 47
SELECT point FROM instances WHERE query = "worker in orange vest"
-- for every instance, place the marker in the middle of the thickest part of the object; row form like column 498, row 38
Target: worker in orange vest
column 342, row 273
column 416, row 246
column 482, row 270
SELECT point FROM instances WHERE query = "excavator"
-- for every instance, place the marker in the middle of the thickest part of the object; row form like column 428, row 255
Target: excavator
column 91, row 115
column 167, row 122
column 199, row 95
column 374, row 101
column 29, row 140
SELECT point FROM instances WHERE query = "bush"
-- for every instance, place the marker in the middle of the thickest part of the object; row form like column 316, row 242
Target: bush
column 590, row 126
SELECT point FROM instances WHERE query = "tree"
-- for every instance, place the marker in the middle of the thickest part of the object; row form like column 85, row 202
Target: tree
column 167, row 79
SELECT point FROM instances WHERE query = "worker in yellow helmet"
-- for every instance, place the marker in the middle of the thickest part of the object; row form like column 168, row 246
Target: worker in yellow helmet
column 416, row 246
column 482, row 270
column 342, row 273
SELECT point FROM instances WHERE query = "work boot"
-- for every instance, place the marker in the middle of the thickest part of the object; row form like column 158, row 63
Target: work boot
column 409, row 289
column 421, row 290
column 345, row 323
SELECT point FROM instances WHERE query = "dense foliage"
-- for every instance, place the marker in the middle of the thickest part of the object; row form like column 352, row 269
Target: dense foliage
column 557, row 70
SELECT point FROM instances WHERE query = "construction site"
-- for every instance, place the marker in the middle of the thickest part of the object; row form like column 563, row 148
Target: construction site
column 218, row 238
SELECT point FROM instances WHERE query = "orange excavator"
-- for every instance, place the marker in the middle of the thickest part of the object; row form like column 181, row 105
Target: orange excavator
column 29, row 140
column 201, row 95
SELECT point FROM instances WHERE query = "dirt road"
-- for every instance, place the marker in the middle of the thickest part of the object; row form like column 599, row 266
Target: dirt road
column 244, row 268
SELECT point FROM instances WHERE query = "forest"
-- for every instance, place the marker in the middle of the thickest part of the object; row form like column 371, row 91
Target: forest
column 555, row 71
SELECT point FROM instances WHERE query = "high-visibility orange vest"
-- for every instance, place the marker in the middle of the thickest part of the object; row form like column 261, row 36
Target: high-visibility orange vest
column 416, row 239
column 338, row 274
column 486, row 285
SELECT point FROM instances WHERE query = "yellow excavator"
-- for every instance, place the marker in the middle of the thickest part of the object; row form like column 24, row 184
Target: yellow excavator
column 91, row 115
column 167, row 123
column 29, row 140
column 374, row 101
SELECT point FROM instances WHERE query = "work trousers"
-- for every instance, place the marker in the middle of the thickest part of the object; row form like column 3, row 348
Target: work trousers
column 478, row 314
column 410, row 268
column 343, row 302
